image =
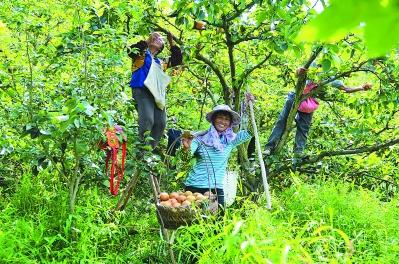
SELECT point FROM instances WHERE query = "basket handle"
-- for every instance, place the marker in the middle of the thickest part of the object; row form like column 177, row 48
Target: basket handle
column 156, row 185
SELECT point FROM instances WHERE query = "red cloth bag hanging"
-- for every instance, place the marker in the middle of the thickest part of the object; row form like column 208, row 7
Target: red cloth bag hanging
column 112, row 147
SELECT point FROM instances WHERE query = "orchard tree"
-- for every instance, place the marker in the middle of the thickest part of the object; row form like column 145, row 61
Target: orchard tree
column 231, row 45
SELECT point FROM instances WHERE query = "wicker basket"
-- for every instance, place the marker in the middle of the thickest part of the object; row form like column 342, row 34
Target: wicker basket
column 174, row 217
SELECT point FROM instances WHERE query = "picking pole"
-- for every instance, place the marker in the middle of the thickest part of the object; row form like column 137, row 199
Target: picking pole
column 261, row 162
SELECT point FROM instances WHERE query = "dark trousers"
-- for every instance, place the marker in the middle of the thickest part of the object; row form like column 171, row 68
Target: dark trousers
column 173, row 140
column 151, row 118
column 302, row 120
column 219, row 192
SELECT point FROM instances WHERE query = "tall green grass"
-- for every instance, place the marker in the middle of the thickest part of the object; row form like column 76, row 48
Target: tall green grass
column 37, row 228
column 326, row 223
column 319, row 223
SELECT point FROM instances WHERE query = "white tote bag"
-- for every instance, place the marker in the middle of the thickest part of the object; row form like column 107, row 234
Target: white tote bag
column 156, row 82
column 230, row 187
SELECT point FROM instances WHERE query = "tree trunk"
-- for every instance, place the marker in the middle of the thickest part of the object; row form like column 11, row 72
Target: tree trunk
column 299, row 87
column 127, row 192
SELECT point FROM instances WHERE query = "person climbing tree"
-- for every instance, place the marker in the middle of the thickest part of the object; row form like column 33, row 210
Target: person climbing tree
column 212, row 150
column 303, row 118
column 148, row 82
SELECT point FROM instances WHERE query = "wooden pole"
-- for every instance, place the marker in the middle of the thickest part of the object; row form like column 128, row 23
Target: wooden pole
column 127, row 192
column 155, row 188
column 260, row 157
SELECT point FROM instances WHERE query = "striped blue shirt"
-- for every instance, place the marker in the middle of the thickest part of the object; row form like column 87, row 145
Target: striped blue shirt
column 211, row 163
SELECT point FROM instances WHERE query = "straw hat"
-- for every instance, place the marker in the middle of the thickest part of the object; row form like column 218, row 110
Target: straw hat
column 235, row 117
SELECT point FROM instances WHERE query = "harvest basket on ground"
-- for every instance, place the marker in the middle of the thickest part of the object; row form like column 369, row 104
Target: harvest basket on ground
column 179, row 209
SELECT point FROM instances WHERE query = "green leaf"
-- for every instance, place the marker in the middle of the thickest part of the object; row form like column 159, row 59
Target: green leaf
column 45, row 132
column 377, row 20
column 82, row 147
column 88, row 109
column 62, row 118
column 261, row 16
column 76, row 122
column 326, row 64
column 382, row 33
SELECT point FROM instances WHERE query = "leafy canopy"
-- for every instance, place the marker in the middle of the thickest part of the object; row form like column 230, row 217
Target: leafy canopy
column 377, row 20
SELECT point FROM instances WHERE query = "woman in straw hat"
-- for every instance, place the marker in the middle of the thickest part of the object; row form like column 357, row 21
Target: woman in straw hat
column 212, row 150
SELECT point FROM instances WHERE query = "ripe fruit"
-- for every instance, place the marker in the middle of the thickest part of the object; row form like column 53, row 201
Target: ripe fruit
column 200, row 25
column 173, row 195
column 186, row 203
column 200, row 197
column 163, row 196
column 191, row 198
column 181, row 198
column 176, row 204
column 166, row 203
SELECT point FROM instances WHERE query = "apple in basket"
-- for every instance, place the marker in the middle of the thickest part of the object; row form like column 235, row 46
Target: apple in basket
column 166, row 203
column 190, row 198
column 173, row 200
column 188, row 193
column 163, row 196
column 181, row 198
column 200, row 197
column 176, row 204
column 173, row 195
column 185, row 199
column 186, row 203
